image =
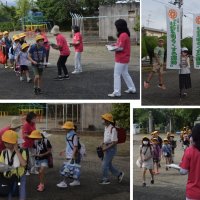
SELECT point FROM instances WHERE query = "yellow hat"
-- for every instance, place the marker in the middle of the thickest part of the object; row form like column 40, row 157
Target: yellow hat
column 10, row 137
column 35, row 135
column 39, row 37
column 108, row 117
column 155, row 139
column 68, row 125
column 165, row 139
column 152, row 133
column 5, row 32
column 21, row 35
column 16, row 37
column 25, row 45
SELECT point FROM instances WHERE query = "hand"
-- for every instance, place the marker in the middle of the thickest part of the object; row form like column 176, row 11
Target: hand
column 34, row 62
column 62, row 153
column 16, row 147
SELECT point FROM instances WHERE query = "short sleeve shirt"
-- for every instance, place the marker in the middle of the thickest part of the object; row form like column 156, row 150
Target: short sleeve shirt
column 71, row 142
column 160, row 52
column 78, row 37
column 27, row 129
column 124, row 55
column 42, row 146
column 37, row 53
column 23, row 58
column 191, row 162
column 62, row 42
column 110, row 134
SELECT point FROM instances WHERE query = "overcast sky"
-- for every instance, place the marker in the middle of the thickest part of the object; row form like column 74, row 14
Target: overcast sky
column 156, row 13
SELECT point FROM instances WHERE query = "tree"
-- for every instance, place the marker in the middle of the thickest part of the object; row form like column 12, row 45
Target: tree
column 187, row 42
column 136, row 27
column 121, row 114
column 144, row 48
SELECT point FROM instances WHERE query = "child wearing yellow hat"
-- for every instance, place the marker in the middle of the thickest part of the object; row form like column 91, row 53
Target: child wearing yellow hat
column 167, row 151
column 23, row 59
column 42, row 148
column 16, row 159
column 156, row 154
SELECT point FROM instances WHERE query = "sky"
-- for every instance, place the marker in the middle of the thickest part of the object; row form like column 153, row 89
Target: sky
column 155, row 11
column 9, row 2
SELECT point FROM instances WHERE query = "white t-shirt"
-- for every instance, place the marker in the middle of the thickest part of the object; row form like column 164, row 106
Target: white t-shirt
column 108, row 136
column 71, row 143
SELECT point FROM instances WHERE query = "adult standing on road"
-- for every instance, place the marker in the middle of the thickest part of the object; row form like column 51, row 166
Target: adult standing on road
column 109, row 147
column 28, row 127
column 122, row 58
column 190, row 165
column 63, row 47
column 158, row 62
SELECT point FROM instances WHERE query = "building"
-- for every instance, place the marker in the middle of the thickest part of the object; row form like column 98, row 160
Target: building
column 146, row 31
column 110, row 13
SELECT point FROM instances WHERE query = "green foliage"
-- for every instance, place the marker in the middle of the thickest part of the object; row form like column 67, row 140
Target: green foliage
column 144, row 48
column 23, row 6
column 121, row 114
column 136, row 27
column 187, row 42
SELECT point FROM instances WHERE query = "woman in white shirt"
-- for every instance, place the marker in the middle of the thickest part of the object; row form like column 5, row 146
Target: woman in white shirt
column 109, row 147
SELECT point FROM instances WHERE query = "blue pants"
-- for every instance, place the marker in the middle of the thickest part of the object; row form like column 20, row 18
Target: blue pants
column 107, row 163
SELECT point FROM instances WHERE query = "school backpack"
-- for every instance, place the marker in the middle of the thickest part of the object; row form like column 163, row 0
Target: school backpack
column 121, row 134
column 50, row 155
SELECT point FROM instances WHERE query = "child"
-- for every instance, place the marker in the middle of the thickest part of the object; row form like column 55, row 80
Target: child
column 156, row 155
column 23, row 60
column 42, row 150
column 16, row 49
column 184, row 72
column 167, row 152
column 22, row 37
column 72, row 153
column 146, row 155
column 122, row 59
column 78, row 46
column 158, row 62
column 186, row 141
column 172, row 142
column 37, row 53
column 15, row 158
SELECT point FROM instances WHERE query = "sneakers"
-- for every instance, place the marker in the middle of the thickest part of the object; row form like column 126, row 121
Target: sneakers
column 114, row 95
column 62, row 184
column 40, row 187
column 34, row 171
column 37, row 91
column 75, row 183
column 162, row 86
column 66, row 77
column 152, row 181
column 144, row 184
column 21, row 78
column 59, row 78
column 146, row 85
column 130, row 91
column 28, row 80
column 27, row 173
column 120, row 177
column 75, row 72
column 104, row 182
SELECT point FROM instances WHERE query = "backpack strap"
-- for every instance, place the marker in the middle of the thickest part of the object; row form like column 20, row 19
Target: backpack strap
column 72, row 140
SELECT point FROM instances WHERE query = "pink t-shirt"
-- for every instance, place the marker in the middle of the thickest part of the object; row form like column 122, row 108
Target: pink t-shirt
column 2, row 146
column 124, row 42
column 62, row 42
column 46, row 41
column 78, row 37
column 191, row 162
column 27, row 129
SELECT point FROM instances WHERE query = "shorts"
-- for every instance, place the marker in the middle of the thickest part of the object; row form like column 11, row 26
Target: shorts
column 41, row 163
column 37, row 71
column 23, row 68
column 167, row 155
column 157, row 68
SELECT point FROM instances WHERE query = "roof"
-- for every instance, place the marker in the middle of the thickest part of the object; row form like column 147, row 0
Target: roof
column 154, row 29
column 127, row 1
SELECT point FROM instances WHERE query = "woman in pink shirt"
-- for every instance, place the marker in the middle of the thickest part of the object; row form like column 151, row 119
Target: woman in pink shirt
column 122, row 58
column 63, row 47
column 190, row 165
column 78, row 46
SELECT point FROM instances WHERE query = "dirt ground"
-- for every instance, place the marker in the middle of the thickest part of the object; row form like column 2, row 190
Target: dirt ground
column 90, row 173
column 95, row 82
column 168, row 184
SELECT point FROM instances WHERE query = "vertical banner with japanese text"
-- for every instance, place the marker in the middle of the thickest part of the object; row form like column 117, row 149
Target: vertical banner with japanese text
column 173, row 37
column 196, row 41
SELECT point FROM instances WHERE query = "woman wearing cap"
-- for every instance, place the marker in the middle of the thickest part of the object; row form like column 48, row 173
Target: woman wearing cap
column 109, row 147
column 15, row 125
column 24, row 60
column 146, row 154
column 78, row 46
column 16, row 159
column 8, row 43
column 28, row 127
column 71, row 151
column 190, row 165
column 122, row 58
column 37, row 53
column 184, row 72
column 167, row 151
column 42, row 150
column 63, row 47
